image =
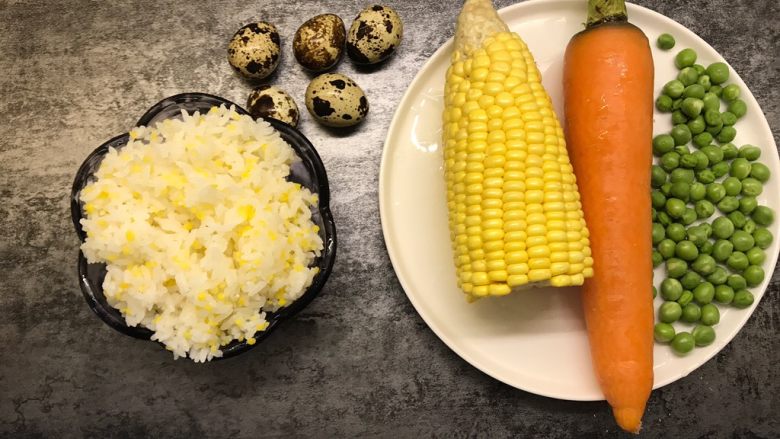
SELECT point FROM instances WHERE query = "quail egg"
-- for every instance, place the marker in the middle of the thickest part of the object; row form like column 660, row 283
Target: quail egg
column 335, row 100
column 374, row 35
column 272, row 102
column 319, row 42
column 254, row 50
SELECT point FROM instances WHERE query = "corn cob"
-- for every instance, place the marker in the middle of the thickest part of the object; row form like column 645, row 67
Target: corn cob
column 515, row 216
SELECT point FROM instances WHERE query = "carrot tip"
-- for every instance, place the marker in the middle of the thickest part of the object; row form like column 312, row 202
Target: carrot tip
column 628, row 418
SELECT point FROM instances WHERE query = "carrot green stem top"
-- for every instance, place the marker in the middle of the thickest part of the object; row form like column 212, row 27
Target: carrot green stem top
column 604, row 11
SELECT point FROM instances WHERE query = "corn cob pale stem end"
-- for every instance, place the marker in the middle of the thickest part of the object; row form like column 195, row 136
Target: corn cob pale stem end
column 478, row 20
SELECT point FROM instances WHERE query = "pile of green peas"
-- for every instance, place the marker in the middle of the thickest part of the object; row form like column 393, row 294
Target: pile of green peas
column 708, row 231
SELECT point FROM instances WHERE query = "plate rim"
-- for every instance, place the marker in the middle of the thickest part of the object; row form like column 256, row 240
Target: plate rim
column 392, row 251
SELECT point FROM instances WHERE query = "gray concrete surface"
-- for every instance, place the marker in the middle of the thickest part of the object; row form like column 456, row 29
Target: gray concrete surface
column 359, row 361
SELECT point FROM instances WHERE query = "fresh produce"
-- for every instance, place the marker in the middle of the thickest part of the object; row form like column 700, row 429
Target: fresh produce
column 254, row 50
column 374, row 35
column 725, row 253
column 514, row 212
column 268, row 101
column 319, row 42
column 608, row 99
column 665, row 41
column 335, row 100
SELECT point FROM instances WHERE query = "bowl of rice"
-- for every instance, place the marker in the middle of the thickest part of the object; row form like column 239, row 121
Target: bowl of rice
column 202, row 229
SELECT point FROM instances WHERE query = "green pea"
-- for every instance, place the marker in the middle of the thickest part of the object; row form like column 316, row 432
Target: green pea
column 730, row 151
column 697, row 235
column 682, row 175
column 675, row 207
column 713, row 153
column 704, row 81
column 750, row 226
column 732, row 185
column 704, row 292
column 670, row 161
column 688, row 76
column 700, row 69
column 740, row 168
column 730, row 93
column 742, row 299
column 662, row 144
column 692, row 107
column 728, row 204
column 665, row 41
column 675, row 232
column 711, row 101
column 698, row 191
column 676, row 268
column 751, row 187
column 671, row 289
column 664, row 219
column 694, row 91
column 750, row 152
column 664, row 104
column 720, row 169
column 715, row 129
column 706, row 248
column 696, row 125
column 747, row 204
column 760, row 172
column 738, row 107
column 736, row 282
column 690, row 280
column 658, row 233
column 742, row 240
column 663, row 332
column 704, row 209
column 726, row 134
column 666, row 248
column 703, row 140
column 655, row 292
column 722, row 228
column 756, row 256
column 683, row 342
column 707, row 229
column 722, row 249
column 715, row 192
column 674, row 89
column 681, row 190
column 685, row 298
column 763, row 216
column 737, row 218
column 669, row 312
column 681, row 134
column 657, row 176
column 724, row 294
column 689, row 216
column 703, row 335
column 691, row 313
column 738, row 261
column 763, row 238
column 704, row 265
column 678, row 116
column 718, row 71
column 658, row 199
column 702, row 161
column 728, row 118
column 715, row 89
column 753, row 275
column 653, row 214
column 688, row 161
column 705, row 176
column 712, row 117
column 656, row 258
column 719, row 276
column 682, row 150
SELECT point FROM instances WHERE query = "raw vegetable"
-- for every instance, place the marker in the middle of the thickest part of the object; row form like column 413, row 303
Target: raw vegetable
column 608, row 100
column 514, row 212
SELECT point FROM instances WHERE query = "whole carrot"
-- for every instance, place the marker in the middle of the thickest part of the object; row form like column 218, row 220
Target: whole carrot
column 608, row 98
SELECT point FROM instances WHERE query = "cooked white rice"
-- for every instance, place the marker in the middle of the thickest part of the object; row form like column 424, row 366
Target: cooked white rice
column 200, row 231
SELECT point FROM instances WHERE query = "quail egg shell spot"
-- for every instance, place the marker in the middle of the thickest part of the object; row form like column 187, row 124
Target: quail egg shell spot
column 319, row 42
column 374, row 35
column 336, row 100
column 272, row 102
column 254, row 51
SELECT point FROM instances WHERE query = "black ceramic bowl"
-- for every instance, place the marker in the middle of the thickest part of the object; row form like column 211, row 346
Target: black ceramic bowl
column 309, row 172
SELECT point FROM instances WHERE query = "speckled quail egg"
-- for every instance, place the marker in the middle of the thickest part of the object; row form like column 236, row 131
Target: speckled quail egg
column 335, row 100
column 270, row 101
column 319, row 42
column 254, row 50
column 374, row 35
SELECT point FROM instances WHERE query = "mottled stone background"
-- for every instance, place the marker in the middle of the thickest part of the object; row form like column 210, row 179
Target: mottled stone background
column 359, row 361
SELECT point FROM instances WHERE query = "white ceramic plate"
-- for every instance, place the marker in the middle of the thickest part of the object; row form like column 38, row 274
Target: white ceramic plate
column 534, row 341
